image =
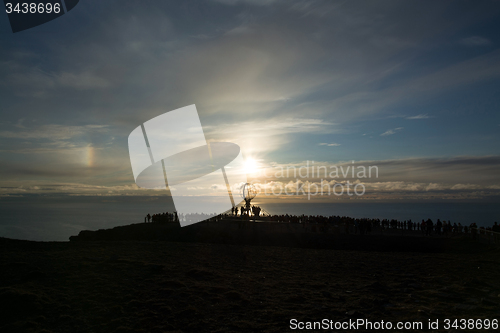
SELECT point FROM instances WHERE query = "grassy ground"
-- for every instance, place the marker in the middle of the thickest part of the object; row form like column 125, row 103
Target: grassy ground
column 153, row 286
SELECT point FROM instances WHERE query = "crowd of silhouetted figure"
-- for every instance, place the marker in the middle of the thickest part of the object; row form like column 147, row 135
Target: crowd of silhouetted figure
column 365, row 225
column 319, row 223
column 253, row 211
column 174, row 217
column 166, row 217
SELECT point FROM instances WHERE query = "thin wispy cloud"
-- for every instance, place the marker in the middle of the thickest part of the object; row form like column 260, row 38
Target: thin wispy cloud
column 392, row 131
column 329, row 144
column 247, row 2
column 241, row 30
column 51, row 132
column 257, row 137
column 420, row 116
column 43, row 83
column 475, row 41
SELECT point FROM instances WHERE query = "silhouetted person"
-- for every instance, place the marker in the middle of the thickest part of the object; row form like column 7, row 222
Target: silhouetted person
column 496, row 230
column 439, row 225
column 428, row 227
column 473, row 230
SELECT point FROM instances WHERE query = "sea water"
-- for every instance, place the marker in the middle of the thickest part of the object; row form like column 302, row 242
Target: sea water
column 47, row 218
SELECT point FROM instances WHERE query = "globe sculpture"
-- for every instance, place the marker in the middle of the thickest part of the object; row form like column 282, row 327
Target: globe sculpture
column 248, row 192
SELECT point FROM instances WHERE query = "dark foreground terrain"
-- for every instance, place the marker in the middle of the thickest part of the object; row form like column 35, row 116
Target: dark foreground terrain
column 163, row 286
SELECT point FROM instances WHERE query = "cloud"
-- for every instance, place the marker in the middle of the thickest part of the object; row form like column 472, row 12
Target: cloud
column 270, row 71
column 247, row 2
column 31, row 79
column 397, row 179
column 401, row 190
column 256, row 137
column 468, row 72
column 371, row 101
column 478, row 170
column 330, row 144
column 82, row 81
column 314, row 7
column 55, row 151
column 392, row 131
column 420, row 116
column 51, row 131
column 241, row 30
column 76, row 189
column 301, row 58
column 475, row 41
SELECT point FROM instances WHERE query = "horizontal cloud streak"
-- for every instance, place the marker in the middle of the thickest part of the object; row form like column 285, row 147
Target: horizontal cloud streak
column 391, row 131
column 420, row 116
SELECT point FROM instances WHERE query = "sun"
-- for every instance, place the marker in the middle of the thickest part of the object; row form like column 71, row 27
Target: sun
column 250, row 165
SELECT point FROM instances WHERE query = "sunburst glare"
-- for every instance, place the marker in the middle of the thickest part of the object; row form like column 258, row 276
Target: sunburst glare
column 251, row 165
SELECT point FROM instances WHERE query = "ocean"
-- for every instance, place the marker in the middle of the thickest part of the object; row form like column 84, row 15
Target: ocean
column 47, row 218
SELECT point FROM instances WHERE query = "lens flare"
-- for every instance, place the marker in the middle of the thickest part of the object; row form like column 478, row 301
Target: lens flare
column 251, row 165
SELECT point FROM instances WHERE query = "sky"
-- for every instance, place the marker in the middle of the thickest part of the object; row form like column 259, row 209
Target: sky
column 408, row 86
